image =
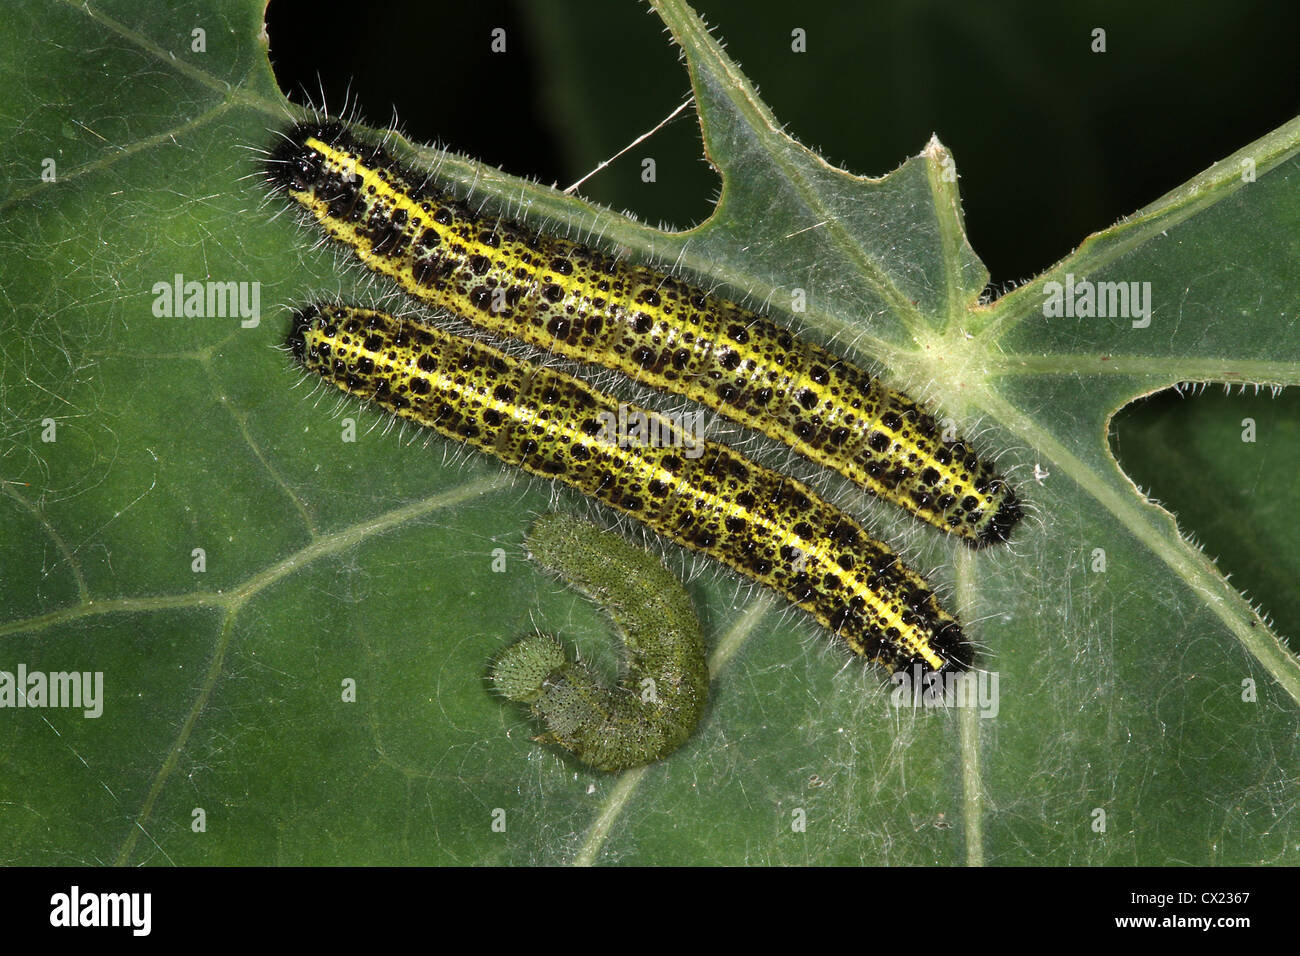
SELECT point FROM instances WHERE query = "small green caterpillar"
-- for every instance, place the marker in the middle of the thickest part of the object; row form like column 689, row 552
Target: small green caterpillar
column 585, row 305
column 662, row 694
column 765, row 525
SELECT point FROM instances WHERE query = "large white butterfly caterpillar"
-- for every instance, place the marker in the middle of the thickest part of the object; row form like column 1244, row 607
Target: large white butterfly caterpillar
column 585, row 305
column 665, row 684
column 762, row 524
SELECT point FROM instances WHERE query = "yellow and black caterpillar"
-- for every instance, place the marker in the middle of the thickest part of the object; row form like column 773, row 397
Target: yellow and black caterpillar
column 592, row 307
column 765, row 525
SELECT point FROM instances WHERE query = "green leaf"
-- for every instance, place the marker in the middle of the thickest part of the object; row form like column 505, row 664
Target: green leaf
column 324, row 561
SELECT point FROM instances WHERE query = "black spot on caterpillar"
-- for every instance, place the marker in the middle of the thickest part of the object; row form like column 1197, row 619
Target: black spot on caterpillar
column 765, row 525
column 580, row 303
column 665, row 685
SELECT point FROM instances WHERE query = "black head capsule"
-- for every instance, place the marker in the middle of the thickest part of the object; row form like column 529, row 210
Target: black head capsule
column 1003, row 521
column 292, row 163
column 951, row 644
column 302, row 323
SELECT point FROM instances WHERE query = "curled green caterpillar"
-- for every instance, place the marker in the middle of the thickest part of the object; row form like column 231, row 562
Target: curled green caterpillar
column 665, row 686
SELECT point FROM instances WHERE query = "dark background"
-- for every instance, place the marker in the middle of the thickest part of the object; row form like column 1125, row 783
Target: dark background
column 1052, row 142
